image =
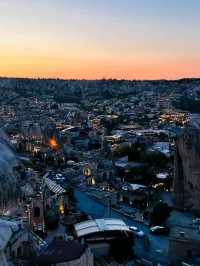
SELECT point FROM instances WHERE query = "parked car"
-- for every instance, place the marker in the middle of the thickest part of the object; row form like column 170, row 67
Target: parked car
column 160, row 230
column 196, row 221
column 136, row 231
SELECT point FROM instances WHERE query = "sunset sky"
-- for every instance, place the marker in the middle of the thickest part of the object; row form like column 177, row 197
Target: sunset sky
column 131, row 39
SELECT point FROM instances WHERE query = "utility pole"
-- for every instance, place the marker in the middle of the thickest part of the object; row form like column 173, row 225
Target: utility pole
column 109, row 207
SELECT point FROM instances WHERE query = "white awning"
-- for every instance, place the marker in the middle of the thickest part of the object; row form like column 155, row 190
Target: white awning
column 53, row 186
column 100, row 225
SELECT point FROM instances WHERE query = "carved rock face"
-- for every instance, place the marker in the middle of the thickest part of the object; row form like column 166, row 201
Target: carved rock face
column 8, row 180
column 187, row 170
column 7, row 159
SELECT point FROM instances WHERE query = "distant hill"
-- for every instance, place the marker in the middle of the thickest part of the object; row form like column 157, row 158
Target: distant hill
column 183, row 93
column 74, row 90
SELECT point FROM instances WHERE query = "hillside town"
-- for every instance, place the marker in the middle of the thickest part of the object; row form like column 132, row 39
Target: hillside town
column 99, row 172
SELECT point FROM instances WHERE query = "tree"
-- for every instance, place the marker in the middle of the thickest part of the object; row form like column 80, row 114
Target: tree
column 136, row 151
column 160, row 213
column 121, row 249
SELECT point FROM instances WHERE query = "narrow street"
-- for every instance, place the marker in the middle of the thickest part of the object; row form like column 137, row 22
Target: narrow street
column 158, row 249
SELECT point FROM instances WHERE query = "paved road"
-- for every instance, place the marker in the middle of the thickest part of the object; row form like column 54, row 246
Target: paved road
column 158, row 250
column 60, row 231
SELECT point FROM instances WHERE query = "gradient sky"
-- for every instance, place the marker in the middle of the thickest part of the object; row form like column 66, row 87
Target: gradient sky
column 132, row 39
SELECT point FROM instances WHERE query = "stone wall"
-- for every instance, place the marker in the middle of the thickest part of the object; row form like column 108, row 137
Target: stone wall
column 182, row 250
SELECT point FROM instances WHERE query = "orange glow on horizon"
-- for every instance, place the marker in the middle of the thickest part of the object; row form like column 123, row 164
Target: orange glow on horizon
column 87, row 66
column 140, row 68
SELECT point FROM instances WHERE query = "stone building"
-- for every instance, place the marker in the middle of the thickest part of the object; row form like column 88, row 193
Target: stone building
column 134, row 194
column 36, row 215
column 100, row 235
column 17, row 244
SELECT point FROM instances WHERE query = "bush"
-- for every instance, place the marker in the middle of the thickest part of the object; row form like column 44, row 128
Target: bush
column 160, row 213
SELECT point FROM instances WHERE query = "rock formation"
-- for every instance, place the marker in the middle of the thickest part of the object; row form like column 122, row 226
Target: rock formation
column 187, row 168
column 8, row 179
